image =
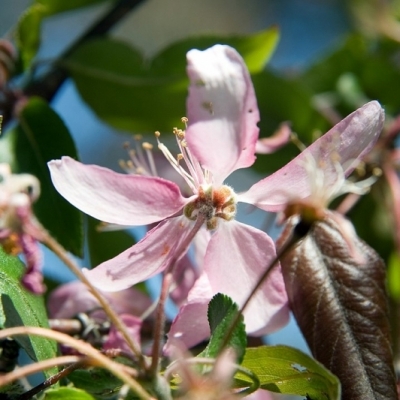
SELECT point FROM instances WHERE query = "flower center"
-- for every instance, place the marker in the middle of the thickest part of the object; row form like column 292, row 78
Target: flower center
column 212, row 204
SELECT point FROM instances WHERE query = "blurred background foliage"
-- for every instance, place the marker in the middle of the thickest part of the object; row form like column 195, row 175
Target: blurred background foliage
column 114, row 68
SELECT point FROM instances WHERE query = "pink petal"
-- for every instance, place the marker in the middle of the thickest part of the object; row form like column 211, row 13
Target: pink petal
column 190, row 326
column 145, row 259
column 260, row 394
column 351, row 139
column 116, row 340
column 189, row 269
column 185, row 275
column 236, row 257
column 74, row 297
column 394, row 185
column 273, row 143
column 222, row 111
column 115, row 198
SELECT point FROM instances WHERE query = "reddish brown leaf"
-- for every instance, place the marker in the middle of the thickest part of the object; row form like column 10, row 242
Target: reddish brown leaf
column 341, row 309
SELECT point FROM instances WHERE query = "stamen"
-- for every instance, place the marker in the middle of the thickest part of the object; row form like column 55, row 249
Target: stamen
column 148, row 149
column 175, row 164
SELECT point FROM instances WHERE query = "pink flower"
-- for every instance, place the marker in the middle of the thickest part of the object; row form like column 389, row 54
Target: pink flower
column 316, row 176
column 220, row 139
column 71, row 299
column 19, row 230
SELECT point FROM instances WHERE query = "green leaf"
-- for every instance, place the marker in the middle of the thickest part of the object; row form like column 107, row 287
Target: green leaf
column 148, row 96
column 106, row 245
column 221, row 313
column 67, row 393
column 394, row 276
column 256, row 50
column 96, row 381
column 28, row 30
column 283, row 369
column 281, row 99
column 19, row 307
column 40, row 137
column 58, row 6
column 373, row 64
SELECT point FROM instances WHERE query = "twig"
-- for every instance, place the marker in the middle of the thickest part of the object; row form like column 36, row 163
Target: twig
column 94, row 356
column 47, row 85
column 62, row 254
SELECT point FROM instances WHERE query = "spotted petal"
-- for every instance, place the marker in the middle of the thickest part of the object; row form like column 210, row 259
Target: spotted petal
column 115, row 198
column 222, row 111
column 347, row 142
column 145, row 259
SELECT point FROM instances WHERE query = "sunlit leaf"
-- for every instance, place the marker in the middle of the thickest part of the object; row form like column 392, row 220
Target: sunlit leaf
column 40, row 137
column 29, row 25
column 67, row 393
column 28, row 32
column 19, row 307
column 149, row 95
column 394, row 276
column 341, row 308
column 283, row 369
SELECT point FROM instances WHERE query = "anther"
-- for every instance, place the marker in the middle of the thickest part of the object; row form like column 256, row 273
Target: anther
column 147, row 146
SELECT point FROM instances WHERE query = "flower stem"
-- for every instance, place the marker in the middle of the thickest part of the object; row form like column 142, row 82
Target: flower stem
column 166, row 284
column 53, row 245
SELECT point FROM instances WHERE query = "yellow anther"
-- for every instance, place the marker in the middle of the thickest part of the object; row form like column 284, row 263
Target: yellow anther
column 157, row 134
column 122, row 164
column 138, row 137
column 184, row 120
column 377, row 172
column 147, row 146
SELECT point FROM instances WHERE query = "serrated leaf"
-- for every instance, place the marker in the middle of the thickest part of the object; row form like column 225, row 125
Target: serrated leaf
column 67, row 393
column 28, row 30
column 40, row 137
column 341, row 308
column 283, row 369
column 222, row 310
column 21, row 308
column 148, row 95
